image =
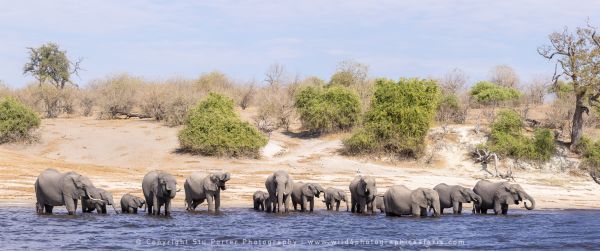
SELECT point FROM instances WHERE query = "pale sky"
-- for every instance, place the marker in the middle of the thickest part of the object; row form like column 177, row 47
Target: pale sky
column 165, row 39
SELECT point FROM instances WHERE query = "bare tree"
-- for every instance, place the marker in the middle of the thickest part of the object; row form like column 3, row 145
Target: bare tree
column 577, row 57
column 504, row 75
column 536, row 90
column 275, row 75
column 454, row 81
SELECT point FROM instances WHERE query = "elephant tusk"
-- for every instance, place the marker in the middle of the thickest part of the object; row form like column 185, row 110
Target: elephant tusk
column 93, row 199
column 178, row 190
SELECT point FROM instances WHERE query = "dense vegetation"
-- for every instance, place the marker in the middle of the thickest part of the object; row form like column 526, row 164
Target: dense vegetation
column 213, row 128
column 16, row 120
column 329, row 109
column 488, row 93
column 399, row 118
column 507, row 138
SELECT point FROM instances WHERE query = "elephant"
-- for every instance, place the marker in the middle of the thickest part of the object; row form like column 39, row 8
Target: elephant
column 498, row 195
column 333, row 196
column 260, row 199
column 399, row 200
column 454, row 196
column 199, row 188
column 130, row 203
column 379, row 203
column 362, row 194
column 88, row 205
column 53, row 188
column 305, row 192
column 159, row 188
column 279, row 185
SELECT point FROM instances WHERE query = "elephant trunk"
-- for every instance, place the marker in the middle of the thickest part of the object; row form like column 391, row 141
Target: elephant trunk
column 114, row 208
column 347, row 206
column 436, row 208
column 279, row 201
column 529, row 198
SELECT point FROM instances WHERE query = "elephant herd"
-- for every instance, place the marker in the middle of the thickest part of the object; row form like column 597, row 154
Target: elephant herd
column 53, row 188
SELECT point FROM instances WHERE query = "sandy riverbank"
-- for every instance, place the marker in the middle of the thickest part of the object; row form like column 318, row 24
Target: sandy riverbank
column 116, row 154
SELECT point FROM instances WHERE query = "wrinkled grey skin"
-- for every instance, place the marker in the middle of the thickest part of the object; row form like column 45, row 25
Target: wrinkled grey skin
column 454, row 196
column 260, row 199
column 399, row 200
column 499, row 195
column 106, row 198
column 333, row 196
column 199, row 188
column 305, row 192
column 159, row 188
column 53, row 188
column 362, row 194
column 379, row 203
column 279, row 185
column 130, row 203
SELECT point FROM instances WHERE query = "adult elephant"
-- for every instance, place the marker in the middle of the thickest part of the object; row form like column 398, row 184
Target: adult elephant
column 280, row 186
column 333, row 196
column 159, row 188
column 379, row 203
column 499, row 195
column 305, row 192
column 399, row 200
column 454, row 196
column 53, row 188
column 130, row 203
column 106, row 198
column 260, row 199
column 363, row 190
column 199, row 188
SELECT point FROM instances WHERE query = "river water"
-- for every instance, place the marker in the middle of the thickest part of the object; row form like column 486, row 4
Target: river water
column 240, row 228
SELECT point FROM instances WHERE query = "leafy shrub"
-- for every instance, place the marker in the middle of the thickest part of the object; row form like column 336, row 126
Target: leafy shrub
column 213, row 128
column 507, row 138
column 489, row 93
column 591, row 157
column 450, row 109
column 326, row 110
column 16, row 120
column 399, row 118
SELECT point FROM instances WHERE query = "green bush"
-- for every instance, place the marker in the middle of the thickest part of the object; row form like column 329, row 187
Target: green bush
column 330, row 109
column 399, row 118
column 487, row 93
column 591, row 156
column 507, row 138
column 16, row 120
column 213, row 128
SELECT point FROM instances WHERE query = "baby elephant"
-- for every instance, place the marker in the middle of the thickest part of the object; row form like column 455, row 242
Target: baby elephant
column 400, row 200
column 260, row 199
column 105, row 198
column 454, row 196
column 305, row 192
column 130, row 203
column 199, row 188
column 333, row 196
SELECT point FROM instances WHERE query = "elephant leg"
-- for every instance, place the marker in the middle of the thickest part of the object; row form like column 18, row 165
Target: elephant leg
column 484, row 210
column 370, row 207
column 217, row 202
column 134, row 210
column 362, row 204
column 312, row 204
column 303, row 204
column 168, row 207
column 497, row 207
column 352, row 205
column 415, row 210
column 104, row 209
column 48, row 209
column 211, row 202
column 455, row 207
column 287, row 203
column 156, row 210
column 295, row 205
column 460, row 208
column 505, row 209
column 423, row 212
column 70, row 205
column 337, row 206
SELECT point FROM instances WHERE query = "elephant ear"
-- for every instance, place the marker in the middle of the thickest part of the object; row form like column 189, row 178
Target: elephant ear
column 307, row 189
column 77, row 184
column 225, row 177
column 339, row 195
column 210, row 183
column 418, row 197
